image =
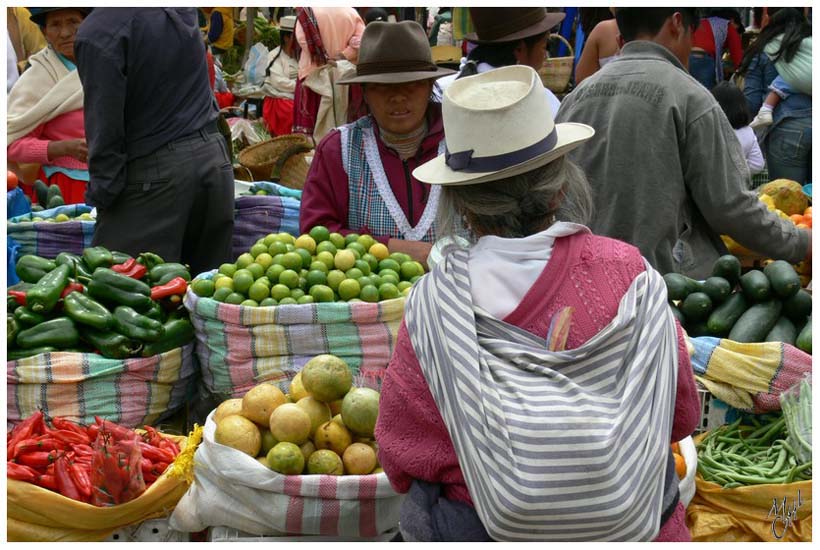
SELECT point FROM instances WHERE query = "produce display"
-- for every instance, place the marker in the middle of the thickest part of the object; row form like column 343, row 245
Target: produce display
column 323, row 425
column 319, row 266
column 11, row 181
column 103, row 464
column 48, row 196
column 103, row 301
column 758, row 306
column 59, row 218
column 737, row 454
column 680, row 462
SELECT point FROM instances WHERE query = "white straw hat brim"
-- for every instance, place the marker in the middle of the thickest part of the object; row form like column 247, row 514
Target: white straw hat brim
column 436, row 172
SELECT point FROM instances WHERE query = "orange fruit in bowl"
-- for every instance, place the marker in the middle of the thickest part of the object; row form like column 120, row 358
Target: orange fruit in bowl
column 680, row 465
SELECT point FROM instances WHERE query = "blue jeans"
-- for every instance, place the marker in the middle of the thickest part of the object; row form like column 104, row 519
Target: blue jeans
column 702, row 68
column 788, row 150
column 781, row 87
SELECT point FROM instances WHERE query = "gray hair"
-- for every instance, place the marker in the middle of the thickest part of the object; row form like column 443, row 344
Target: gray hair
column 517, row 206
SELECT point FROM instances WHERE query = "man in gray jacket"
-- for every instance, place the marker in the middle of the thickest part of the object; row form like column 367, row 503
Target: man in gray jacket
column 667, row 171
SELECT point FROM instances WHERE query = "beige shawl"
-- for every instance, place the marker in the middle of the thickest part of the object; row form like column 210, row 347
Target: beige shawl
column 333, row 106
column 46, row 90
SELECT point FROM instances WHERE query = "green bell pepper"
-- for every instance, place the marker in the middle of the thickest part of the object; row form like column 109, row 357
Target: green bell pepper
column 162, row 273
column 178, row 332
column 58, row 333
column 149, row 260
column 110, row 344
column 111, row 287
column 79, row 270
column 16, row 354
column 12, row 329
column 97, row 256
column 156, row 312
column 135, row 326
column 31, row 268
column 27, row 318
column 120, row 257
column 43, row 296
column 87, row 311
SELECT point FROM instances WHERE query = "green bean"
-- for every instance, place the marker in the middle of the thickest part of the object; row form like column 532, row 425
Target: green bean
column 732, row 485
column 796, row 470
column 781, row 461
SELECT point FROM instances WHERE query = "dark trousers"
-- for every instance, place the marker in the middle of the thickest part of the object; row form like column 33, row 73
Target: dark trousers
column 178, row 202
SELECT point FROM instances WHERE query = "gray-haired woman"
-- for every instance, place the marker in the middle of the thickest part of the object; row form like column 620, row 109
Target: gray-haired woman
column 539, row 376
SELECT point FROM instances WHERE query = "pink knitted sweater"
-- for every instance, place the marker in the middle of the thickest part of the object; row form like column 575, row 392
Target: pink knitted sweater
column 586, row 272
column 34, row 146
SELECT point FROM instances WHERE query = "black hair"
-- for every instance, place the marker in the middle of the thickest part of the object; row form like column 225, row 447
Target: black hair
column 634, row 22
column 375, row 14
column 734, row 105
column 500, row 54
column 282, row 35
column 789, row 22
column 590, row 17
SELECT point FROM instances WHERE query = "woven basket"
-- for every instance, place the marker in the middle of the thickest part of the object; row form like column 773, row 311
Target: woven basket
column 556, row 71
column 294, row 170
column 261, row 158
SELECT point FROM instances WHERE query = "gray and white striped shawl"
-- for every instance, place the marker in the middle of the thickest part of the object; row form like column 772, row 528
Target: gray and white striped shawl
column 554, row 446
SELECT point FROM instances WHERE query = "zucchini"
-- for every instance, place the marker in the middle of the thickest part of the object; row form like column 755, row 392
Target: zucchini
column 724, row 316
column 680, row 286
column 756, row 322
column 803, row 340
column 41, row 190
column 798, row 307
column 696, row 307
column 678, row 315
column 717, row 288
column 756, row 286
column 53, row 191
column 784, row 279
column 697, row 328
column 727, row 267
column 782, row 331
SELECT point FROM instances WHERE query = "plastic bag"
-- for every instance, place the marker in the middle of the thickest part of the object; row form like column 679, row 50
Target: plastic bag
column 116, row 467
column 256, row 64
column 796, row 405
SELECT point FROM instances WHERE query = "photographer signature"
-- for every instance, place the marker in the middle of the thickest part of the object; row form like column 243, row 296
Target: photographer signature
column 784, row 515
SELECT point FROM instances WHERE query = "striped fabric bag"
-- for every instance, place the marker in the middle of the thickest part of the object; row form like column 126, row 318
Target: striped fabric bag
column 238, row 346
column 79, row 386
column 47, row 239
column 256, row 216
column 232, row 489
column 554, row 445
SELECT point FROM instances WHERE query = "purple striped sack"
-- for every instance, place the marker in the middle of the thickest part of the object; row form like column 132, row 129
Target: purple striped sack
column 258, row 215
column 47, row 239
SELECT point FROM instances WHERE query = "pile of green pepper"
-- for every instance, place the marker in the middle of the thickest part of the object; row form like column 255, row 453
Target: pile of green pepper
column 101, row 301
column 736, row 454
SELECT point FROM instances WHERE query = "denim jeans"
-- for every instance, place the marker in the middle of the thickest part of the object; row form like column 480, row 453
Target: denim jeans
column 702, row 68
column 788, row 150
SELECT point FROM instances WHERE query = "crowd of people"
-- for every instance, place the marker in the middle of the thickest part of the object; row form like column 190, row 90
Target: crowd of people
column 549, row 329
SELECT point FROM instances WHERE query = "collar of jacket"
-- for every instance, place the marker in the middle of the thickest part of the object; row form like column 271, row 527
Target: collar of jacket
column 650, row 50
column 435, row 132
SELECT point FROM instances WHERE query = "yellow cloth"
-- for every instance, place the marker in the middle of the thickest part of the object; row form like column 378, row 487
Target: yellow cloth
column 35, row 514
column 25, row 35
column 732, row 396
column 225, row 40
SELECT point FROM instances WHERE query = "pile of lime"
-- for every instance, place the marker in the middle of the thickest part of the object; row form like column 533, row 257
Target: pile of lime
column 62, row 217
column 318, row 266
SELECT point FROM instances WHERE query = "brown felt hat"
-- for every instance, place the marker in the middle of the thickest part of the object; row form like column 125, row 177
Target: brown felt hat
column 394, row 53
column 494, row 25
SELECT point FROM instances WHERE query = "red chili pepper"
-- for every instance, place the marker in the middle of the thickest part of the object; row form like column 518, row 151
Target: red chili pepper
column 156, row 454
column 81, row 479
column 26, row 429
column 65, row 424
column 70, row 437
column 50, row 469
column 65, row 484
column 37, row 459
column 130, row 268
column 19, row 296
column 119, row 432
column 20, row 472
column 153, row 436
column 83, row 450
column 174, row 287
column 170, row 445
column 93, row 430
column 72, row 287
column 29, row 445
column 111, row 474
column 46, row 481
column 159, row 468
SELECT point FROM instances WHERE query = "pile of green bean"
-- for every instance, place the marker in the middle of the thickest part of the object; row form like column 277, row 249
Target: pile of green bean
column 736, row 455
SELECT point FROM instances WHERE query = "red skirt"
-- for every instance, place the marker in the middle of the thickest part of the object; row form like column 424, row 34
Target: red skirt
column 278, row 115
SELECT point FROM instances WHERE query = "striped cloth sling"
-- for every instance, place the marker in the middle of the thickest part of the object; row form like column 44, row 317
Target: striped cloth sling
column 554, row 445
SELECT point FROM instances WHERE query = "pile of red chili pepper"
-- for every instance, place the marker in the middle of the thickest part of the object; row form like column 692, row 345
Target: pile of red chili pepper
column 95, row 464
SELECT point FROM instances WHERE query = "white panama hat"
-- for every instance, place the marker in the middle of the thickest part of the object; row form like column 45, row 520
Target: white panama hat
column 498, row 124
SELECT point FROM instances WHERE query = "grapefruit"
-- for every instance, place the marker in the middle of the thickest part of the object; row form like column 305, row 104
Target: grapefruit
column 261, row 401
column 332, row 435
column 297, row 390
column 325, row 461
column 239, row 433
column 268, row 441
column 327, row 377
column 307, row 448
column 227, row 408
column 286, row 458
column 359, row 459
column 360, row 409
column 289, row 422
column 319, row 412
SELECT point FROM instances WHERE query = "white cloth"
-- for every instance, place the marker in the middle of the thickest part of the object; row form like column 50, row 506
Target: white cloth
column 44, row 91
column 11, row 63
column 509, row 267
column 751, row 149
column 443, row 83
column 281, row 82
column 334, row 102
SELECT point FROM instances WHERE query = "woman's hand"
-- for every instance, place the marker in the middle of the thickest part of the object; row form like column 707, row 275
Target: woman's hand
column 75, row 148
column 418, row 250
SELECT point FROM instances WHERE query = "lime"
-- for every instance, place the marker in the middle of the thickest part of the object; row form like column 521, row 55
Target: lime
column 287, row 301
column 354, row 300
column 419, row 268
column 258, row 248
column 277, row 247
column 61, row 218
column 289, row 278
column 319, row 233
column 379, row 250
column 369, row 293
column 290, row 247
column 390, row 278
column 388, row 291
column 297, row 293
column 306, row 257
column 221, row 293
column 263, row 280
column 224, row 282
column 354, row 273
column 408, row 271
column 277, row 292
column 351, row 238
column 307, row 242
column 404, row 284
column 302, row 283
column 268, row 302
column 306, row 299
column 357, row 247
column 258, row 292
column 228, row 269
column 244, row 260
column 326, row 246
column 377, row 280
column 349, row 288
column 242, row 280
column 406, row 292
column 364, row 281
column 249, row 303
column 389, row 273
column 322, row 293
column 261, row 192
column 366, row 241
column 326, row 258
column 234, row 298
column 335, row 278
column 362, row 266
column 344, row 260
column 390, row 264
column 338, row 240
column 203, row 287
column 256, row 270
column 400, row 257
column 292, row 260
column 277, row 260
column 316, row 277
column 371, row 261
column 286, row 238
column 265, row 260
column 414, row 279
column 260, row 241
column 274, row 271
column 269, row 239
column 318, row 266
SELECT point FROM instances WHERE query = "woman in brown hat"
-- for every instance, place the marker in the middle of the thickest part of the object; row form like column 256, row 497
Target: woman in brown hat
column 506, row 36
column 361, row 179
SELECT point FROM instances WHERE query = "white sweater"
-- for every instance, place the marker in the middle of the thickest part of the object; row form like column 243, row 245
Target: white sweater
column 751, row 150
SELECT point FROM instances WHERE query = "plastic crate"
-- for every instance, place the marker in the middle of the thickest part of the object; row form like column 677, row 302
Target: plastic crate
column 229, row 534
column 152, row 530
column 713, row 411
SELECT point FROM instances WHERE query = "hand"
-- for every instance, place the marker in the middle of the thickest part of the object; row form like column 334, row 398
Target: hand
column 75, row 148
column 418, row 250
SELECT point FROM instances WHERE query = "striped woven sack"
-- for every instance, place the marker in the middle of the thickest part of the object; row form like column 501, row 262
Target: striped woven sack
column 239, row 346
column 47, row 239
column 256, row 216
column 232, row 489
column 79, row 386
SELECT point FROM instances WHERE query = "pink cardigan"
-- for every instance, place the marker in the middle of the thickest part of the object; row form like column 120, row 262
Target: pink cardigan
column 587, row 272
column 33, row 147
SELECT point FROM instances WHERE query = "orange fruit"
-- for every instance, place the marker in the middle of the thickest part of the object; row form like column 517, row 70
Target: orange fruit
column 676, row 447
column 807, row 211
column 802, row 226
column 680, row 466
column 796, row 218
